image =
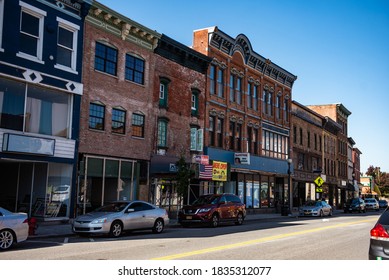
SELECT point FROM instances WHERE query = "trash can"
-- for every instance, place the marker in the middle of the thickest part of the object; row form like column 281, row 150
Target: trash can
column 284, row 211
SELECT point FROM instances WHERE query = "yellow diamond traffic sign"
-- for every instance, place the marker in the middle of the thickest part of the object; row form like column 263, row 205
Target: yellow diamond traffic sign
column 319, row 181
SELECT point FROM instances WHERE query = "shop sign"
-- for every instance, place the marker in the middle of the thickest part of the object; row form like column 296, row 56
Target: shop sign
column 202, row 159
column 242, row 158
column 219, row 171
column 16, row 143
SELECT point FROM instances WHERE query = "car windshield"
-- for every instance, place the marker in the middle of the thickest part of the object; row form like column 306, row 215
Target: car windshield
column 312, row 203
column 208, row 199
column 112, row 207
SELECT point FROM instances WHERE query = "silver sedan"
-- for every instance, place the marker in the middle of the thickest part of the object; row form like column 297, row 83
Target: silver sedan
column 119, row 216
column 316, row 208
column 13, row 228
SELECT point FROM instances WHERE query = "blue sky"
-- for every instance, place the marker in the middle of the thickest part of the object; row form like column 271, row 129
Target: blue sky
column 339, row 49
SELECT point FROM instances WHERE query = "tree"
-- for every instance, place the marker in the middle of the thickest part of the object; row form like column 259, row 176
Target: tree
column 184, row 173
column 381, row 179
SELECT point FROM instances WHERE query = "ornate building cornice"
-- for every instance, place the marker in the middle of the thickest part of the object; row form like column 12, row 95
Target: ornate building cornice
column 115, row 23
column 229, row 46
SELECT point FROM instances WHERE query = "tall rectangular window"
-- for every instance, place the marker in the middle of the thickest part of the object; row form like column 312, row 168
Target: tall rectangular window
column 31, row 32
column 135, row 68
column 232, row 135
column 256, row 141
column 286, row 110
column 238, row 137
column 249, row 139
column 162, row 133
column 270, row 103
column 238, row 90
column 163, row 93
column 219, row 132
column 220, row 83
column 255, row 97
column 106, row 59
column 278, row 106
column 211, row 131
column 118, row 121
column 212, row 79
column 195, row 103
column 67, row 45
column 96, row 116
column 138, row 125
column 249, row 94
column 232, row 88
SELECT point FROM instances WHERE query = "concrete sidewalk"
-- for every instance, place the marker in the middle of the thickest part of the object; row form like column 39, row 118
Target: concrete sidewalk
column 52, row 229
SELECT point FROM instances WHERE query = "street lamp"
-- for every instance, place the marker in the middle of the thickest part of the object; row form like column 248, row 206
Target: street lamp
column 289, row 194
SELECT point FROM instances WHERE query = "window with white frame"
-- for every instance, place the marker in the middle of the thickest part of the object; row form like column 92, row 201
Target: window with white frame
column 195, row 102
column 31, row 32
column 67, row 45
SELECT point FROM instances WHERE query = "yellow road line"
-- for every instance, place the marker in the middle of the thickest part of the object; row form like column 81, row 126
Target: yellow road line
column 256, row 241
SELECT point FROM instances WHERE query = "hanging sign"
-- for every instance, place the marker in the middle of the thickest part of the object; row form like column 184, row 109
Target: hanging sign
column 219, row 171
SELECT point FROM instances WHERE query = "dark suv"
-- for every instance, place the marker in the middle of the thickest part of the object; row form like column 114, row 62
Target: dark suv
column 379, row 238
column 355, row 204
column 213, row 209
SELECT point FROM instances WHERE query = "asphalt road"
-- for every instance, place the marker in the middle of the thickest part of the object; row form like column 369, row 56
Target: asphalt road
column 341, row 237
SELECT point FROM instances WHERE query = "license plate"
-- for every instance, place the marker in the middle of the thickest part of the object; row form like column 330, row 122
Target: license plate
column 189, row 217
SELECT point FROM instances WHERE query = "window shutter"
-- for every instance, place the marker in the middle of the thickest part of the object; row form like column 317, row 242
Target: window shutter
column 200, row 139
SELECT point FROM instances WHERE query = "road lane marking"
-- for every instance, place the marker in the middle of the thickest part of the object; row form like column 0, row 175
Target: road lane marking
column 257, row 241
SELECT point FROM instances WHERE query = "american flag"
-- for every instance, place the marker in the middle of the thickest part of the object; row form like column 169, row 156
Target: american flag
column 205, row 171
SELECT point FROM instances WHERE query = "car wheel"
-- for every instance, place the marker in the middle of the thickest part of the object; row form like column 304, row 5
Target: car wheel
column 215, row 220
column 321, row 213
column 239, row 219
column 6, row 239
column 116, row 229
column 158, row 226
column 330, row 214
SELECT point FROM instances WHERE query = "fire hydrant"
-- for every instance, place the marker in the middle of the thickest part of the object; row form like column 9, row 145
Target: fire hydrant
column 32, row 226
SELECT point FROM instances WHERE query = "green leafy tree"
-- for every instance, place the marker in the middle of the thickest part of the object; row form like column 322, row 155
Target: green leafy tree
column 381, row 180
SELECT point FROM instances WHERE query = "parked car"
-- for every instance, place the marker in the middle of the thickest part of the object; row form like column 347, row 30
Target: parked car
column 13, row 228
column 213, row 209
column 119, row 216
column 379, row 238
column 315, row 208
column 383, row 203
column 372, row 204
column 354, row 205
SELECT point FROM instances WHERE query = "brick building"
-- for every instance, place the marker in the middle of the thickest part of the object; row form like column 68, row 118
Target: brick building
column 247, row 120
column 336, row 164
column 118, row 118
column 307, row 153
column 179, row 109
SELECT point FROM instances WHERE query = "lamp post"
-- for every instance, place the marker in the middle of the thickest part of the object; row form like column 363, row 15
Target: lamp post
column 289, row 194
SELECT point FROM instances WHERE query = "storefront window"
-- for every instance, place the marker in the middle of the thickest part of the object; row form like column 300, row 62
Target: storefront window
column 256, row 194
column 264, row 191
column 271, row 191
column 106, row 180
column 249, row 194
column 58, row 190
